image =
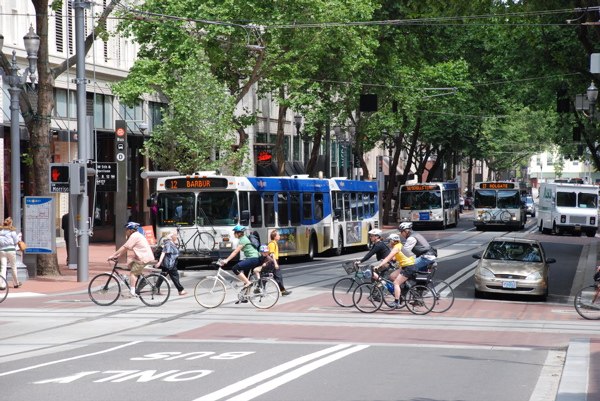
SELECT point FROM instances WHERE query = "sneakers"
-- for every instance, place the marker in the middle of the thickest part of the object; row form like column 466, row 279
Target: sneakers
column 243, row 301
column 183, row 292
column 18, row 285
column 396, row 304
column 285, row 292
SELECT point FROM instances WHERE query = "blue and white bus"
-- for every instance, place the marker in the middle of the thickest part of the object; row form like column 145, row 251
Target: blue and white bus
column 312, row 215
column 430, row 204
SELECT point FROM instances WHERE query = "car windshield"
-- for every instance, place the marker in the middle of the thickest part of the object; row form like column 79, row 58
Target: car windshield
column 516, row 251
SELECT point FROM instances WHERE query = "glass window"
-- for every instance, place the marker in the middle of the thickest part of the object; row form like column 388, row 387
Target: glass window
column 295, row 209
column 175, row 209
column 269, row 205
column 509, row 199
column 217, row 208
column 347, row 207
column 485, row 199
column 318, row 206
column 307, row 206
column 283, row 218
column 587, row 200
column 566, row 199
column 256, row 214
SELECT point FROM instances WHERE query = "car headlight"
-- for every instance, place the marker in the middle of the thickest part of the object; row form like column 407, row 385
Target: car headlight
column 485, row 273
column 534, row 276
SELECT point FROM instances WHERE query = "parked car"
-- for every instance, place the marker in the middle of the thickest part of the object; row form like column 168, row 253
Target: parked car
column 512, row 266
column 529, row 205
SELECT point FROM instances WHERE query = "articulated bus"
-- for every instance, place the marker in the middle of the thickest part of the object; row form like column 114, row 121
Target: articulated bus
column 312, row 215
column 498, row 204
column 429, row 204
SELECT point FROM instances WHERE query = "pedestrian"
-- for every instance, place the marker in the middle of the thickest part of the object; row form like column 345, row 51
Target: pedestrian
column 461, row 203
column 140, row 256
column 66, row 227
column 168, row 260
column 274, row 251
column 9, row 239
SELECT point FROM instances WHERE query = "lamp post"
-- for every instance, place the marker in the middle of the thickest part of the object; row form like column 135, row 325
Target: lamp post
column 592, row 95
column 352, row 132
column 298, row 124
column 32, row 44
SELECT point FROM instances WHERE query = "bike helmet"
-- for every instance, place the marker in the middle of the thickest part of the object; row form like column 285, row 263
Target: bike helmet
column 376, row 232
column 394, row 237
column 239, row 228
column 132, row 225
column 405, row 226
column 263, row 248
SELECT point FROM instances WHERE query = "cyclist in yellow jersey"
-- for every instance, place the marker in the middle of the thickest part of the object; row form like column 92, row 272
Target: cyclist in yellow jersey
column 406, row 263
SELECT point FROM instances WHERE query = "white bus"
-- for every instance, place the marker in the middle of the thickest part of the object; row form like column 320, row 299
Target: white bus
column 569, row 208
column 312, row 215
column 430, row 204
column 498, row 205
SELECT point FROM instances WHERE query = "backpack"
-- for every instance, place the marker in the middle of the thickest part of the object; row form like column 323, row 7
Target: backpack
column 157, row 252
column 253, row 237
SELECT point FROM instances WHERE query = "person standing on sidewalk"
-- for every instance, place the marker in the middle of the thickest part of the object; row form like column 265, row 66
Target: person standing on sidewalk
column 168, row 259
column 8, row 250
column 274, row 251
column 141, row 253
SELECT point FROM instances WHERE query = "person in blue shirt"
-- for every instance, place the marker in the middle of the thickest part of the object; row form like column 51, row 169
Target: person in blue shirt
column 251, row 256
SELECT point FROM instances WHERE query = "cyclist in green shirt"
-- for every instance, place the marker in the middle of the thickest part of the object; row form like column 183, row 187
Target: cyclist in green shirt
column 251, row 256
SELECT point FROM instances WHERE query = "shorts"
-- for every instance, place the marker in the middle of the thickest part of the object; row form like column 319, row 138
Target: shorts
column 137, row 267
column 409, row 271
column 245, row 265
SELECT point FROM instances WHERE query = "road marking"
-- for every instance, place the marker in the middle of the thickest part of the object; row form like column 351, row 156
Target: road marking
column 267, row 374
column 294, row 374
column 461, row 276
column 547, row 384
column 574, row 381
column 41, row 365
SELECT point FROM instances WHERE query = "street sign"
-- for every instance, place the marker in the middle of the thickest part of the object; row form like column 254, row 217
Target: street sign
column 106, row 177
column 59, row 178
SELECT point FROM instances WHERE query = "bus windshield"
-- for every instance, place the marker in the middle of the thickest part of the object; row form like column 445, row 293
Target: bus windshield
column 509, row 199
column 211, row 208
column 491, row 199
column 421, row 200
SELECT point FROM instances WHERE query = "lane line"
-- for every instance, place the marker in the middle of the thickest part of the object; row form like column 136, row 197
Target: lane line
column 294, row 374
column 461, row 276
column 267, row 374
column 575, row 377
column 69, row 359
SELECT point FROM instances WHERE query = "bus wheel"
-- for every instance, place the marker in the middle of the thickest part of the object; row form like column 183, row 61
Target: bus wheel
column 311, row 249
column 339, row 249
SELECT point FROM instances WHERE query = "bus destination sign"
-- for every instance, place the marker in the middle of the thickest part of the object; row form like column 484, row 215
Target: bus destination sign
column 420, row 187
column 195, row 182
column 497, row 185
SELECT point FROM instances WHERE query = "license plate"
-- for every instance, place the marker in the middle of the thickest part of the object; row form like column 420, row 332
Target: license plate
column 509, row 284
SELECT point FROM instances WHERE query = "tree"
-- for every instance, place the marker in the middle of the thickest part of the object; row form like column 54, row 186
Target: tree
column 37, row 105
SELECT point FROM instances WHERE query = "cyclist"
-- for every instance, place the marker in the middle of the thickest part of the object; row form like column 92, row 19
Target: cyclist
column 378, row 248
column 414, row 244
column 141, row 253
column 250, row 253
column 406, row 263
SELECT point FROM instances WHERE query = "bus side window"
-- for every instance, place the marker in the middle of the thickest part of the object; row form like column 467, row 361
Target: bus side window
column 307, row 207
column 269, row 205
column 295, row 211
column 255, row 209
column 318, row 206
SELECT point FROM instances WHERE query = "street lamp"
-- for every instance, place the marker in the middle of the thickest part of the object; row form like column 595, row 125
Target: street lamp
column 32, row 44
column 298, row 124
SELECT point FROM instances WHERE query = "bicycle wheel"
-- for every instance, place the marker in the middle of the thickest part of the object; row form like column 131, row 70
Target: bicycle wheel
column 204, row 242
column 367, row 298
column 3, row 289
column 486, row 217
column 153, row 289
column 505, row 216
column 587, row 302
column 264, row 293
column 420, row 300
column 444, row 296
column 104, row 289
column 342, row 291
column 210, row 292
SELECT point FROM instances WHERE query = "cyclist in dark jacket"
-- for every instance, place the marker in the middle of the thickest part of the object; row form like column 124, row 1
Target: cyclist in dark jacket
column 379, row 248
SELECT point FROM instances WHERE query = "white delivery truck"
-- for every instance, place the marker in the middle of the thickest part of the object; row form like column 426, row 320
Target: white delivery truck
column 568, row 208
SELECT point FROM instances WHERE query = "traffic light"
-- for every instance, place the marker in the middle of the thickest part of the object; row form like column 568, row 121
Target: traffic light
column 59, row 177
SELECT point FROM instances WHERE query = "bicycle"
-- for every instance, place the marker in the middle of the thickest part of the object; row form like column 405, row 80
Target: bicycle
column 500, row 215
column 369, row 297
column 343, row 288
column 105, row 288
column 200, row 240
column 3, row 289
column 442, row 291
column 587, row 300
column 210, row 292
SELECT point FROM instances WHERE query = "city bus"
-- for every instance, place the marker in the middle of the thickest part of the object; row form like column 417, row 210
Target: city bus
column 430, row 204
column 498, row 205
column 312, row 215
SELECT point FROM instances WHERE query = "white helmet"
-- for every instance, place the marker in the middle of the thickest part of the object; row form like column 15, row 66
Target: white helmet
column 407, row 225
column 394, row 237
column 376, row 232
